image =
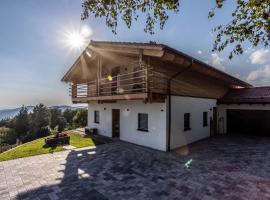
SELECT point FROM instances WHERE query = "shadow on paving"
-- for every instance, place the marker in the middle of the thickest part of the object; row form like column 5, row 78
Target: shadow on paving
column 221, row 168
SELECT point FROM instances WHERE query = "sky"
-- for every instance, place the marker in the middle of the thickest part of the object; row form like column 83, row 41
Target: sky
column 34, row 54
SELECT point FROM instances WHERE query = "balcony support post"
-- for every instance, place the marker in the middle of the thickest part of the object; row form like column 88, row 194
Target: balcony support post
column 98, row 75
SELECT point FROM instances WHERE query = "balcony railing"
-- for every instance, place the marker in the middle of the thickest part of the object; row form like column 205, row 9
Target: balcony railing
column 129, row 83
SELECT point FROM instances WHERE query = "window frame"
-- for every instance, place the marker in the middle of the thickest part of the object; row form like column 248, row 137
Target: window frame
column 140, row 128
column 187, row 127
column 205, row 119
column 96, row 116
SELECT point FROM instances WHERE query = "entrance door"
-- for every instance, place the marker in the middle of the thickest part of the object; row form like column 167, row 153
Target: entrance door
column 116, row 123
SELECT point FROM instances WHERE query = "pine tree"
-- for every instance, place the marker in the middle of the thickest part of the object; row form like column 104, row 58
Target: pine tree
column 22, row 123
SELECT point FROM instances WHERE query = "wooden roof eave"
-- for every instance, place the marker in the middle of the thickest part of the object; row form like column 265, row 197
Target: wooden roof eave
column 184, row 60
column 73, row 66
column 153, row 52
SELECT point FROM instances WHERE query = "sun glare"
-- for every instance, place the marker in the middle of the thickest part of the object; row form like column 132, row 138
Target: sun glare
column 76, row 39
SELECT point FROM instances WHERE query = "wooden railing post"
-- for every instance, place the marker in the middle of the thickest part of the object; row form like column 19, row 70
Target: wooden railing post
column 98, row 75
column 74, row 90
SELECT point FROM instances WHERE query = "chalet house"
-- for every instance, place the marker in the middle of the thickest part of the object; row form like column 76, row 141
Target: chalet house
column 153, row 95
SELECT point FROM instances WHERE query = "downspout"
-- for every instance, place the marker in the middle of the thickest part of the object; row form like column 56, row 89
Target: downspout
column 170, row 101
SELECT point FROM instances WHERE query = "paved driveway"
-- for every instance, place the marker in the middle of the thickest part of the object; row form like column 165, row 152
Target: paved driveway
column 221, row 168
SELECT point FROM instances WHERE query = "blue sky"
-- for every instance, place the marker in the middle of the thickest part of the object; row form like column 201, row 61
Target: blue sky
column 33, row 58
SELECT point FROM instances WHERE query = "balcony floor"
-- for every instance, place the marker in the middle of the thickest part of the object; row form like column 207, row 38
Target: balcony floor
column 136, row 96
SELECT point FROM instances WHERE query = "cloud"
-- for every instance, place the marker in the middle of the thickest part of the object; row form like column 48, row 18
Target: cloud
column 260, row 56
column 260, row 76
column 199, row 52
column 217, row 62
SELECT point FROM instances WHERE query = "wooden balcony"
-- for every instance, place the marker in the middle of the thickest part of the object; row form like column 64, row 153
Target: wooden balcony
column 129, row 86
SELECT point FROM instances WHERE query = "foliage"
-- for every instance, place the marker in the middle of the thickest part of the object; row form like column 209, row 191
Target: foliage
column 68, row 114
column 7, row 136
column 40, row 121
column 9, row 123
column 62, row 123
column 32, row 148
column 155, row 11
column 251, row 23
column 55, row 114
column 80, row 119
column 22, row 123
column 251, row 19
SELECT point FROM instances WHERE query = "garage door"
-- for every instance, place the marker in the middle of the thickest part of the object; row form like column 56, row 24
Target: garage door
column 252, row 122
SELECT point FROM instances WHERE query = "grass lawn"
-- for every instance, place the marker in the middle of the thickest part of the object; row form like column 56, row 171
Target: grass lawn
column 32, row 148
column 36, row 147
column 80, row 141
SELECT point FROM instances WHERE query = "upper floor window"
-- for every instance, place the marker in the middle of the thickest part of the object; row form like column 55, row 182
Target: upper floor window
column 186, row 121
column 96, row 116
column 142, row 122
column 205, row 119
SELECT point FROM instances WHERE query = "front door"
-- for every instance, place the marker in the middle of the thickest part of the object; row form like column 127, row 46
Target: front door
column 116, row 123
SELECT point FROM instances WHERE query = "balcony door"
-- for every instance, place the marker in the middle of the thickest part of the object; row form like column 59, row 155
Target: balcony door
column 115, row 80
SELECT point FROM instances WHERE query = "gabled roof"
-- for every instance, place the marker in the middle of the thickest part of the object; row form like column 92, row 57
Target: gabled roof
column 163, row 52
column 247, row 95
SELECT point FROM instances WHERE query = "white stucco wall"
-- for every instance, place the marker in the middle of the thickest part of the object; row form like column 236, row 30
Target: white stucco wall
column 196, row 107
column 222, row 113
column 155, row 138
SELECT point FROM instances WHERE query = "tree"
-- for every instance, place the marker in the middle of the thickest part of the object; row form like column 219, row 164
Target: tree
column 55, row 115
column 68, row 114
column 62, row 123
column 22, row 123
column 251, row 20
column 251, row 23
column 40, row 119
column 80, row 119
column 7, row 136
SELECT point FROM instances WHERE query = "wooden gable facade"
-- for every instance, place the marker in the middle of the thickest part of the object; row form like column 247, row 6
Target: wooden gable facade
column 111, row 71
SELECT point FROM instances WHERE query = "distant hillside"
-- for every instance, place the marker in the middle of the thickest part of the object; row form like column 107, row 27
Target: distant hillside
column 10, row 113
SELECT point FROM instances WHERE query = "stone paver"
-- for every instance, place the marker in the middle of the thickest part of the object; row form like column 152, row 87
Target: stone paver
column 221, row 168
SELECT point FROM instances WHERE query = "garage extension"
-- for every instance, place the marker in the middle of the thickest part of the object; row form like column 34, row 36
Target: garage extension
column 245, row 111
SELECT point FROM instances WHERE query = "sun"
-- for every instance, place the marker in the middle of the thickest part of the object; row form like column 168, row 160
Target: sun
column 77, row 39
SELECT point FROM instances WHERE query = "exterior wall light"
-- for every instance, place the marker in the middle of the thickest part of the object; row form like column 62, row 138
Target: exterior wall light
column 88, row 54
column 109, row 77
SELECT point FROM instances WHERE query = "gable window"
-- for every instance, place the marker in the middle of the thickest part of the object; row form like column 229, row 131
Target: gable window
column 96, row 117
column 143, row 122
column 187, row 121
column 205, row 119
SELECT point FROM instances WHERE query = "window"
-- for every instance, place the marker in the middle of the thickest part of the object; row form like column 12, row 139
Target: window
column 142, row 122
column 96, row 116
column 205, row 119
column 187, row 121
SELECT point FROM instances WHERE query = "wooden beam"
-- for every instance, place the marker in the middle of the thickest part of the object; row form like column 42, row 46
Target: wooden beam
column 126, row 50
column 115, row 97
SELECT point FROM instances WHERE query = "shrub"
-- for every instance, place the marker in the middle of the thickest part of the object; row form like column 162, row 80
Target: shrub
column 44, row 131
column 80, row 119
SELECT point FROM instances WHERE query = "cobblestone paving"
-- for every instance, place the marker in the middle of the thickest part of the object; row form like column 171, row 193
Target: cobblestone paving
column 221, row 168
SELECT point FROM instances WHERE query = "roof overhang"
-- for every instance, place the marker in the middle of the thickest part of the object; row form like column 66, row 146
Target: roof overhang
column 160, row 51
